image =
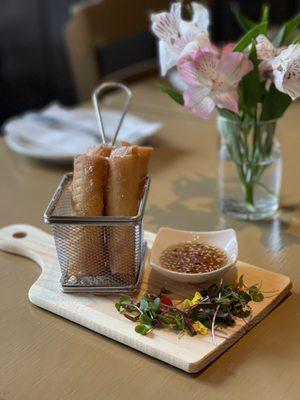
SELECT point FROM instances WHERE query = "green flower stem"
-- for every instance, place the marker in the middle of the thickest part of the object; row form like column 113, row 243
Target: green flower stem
column 269, row 192
column 249, row 196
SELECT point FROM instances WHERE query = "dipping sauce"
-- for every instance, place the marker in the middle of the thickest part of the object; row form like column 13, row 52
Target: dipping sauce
column 193, row 257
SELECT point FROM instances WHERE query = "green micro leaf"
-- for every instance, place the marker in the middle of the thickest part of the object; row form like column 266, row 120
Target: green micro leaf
column 250, row 35
column 253, row 290
column 241, row 281
column 245, row 297
column 244, row 314
column 179, row 323
column 225, row 302
column 257, row 297
column 145, row 319
column 174, row 94
column 156, row 304
column 142, row 329
column 144, row 305
column 163, row 319
column 121, row 300
column 124, row 298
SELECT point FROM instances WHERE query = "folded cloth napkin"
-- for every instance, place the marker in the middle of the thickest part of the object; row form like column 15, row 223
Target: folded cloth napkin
column 57, row 132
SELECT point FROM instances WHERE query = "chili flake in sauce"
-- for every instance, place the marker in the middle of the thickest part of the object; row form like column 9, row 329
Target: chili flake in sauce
column 193, row 257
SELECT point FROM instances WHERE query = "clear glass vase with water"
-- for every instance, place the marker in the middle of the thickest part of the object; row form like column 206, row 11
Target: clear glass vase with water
column 249, row 168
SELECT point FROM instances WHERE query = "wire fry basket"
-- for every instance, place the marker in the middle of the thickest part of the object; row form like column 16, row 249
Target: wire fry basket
column 98, row 254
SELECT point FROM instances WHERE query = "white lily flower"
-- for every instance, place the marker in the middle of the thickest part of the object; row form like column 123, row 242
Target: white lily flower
column 176, row 36
column 266, row 52
column 286, row 71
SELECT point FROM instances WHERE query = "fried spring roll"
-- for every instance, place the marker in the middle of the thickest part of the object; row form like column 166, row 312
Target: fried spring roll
column 88, row 191
column 144, row 153
column 122, row 199
column 88, row 187
column 102, row 150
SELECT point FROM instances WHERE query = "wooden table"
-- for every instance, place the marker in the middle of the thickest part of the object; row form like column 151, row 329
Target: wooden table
column 46, row 357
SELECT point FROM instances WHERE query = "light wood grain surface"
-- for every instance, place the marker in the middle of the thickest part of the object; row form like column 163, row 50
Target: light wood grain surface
column 98, row 313
column 45, row 357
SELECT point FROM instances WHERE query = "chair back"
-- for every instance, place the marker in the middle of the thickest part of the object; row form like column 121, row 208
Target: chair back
column 104, row 35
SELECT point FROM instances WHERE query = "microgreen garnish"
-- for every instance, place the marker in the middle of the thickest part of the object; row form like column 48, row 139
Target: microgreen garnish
column 211, row 308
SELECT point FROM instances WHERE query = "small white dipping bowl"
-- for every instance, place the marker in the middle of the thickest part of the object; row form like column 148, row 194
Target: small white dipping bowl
column 224, row 240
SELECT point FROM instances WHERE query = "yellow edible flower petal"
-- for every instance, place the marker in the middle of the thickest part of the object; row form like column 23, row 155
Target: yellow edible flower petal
column 200, row 328
column 195, row 300
column 187, row 303
column 197, row 297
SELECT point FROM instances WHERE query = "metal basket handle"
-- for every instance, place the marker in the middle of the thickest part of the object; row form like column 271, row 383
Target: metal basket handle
column 96, row 101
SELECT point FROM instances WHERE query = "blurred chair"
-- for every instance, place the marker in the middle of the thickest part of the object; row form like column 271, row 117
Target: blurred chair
column 110, row 39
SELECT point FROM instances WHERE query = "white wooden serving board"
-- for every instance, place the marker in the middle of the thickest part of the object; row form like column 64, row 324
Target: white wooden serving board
column 97, row 313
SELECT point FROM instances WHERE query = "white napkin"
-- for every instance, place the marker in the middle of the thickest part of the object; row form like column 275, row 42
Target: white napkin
column 57, row 132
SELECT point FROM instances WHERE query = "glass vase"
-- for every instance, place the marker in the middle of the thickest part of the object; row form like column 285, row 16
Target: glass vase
column 250, row 168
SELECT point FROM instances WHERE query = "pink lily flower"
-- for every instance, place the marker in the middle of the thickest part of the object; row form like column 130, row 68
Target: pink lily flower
column 286, row 71
column 212, row 80
column 178, row 37
column 228, row 48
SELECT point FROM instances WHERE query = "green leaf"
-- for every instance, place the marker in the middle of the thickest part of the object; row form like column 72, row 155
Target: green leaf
column 274, row 105
column 286, row 31
column 297, row 40
column 227, row 114
column 174, row 94
column 187, row 10
column 251, row 34
column 265, row 13
column 250, row 84
column 142, row 329
column 244, row 22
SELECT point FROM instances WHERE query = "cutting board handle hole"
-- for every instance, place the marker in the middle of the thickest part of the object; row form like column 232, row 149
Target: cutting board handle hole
column 19, row 235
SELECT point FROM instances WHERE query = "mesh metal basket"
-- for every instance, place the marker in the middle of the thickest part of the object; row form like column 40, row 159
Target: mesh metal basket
column 96, row 254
